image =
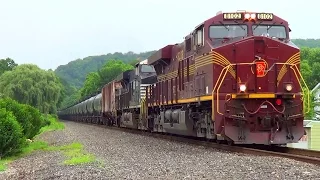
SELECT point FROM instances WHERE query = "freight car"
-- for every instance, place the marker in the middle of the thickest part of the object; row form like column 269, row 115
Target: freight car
column 236, row 77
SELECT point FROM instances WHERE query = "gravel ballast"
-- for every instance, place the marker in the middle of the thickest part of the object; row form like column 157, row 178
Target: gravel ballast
column 123, row 155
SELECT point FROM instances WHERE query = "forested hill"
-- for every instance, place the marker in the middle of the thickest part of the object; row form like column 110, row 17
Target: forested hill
column 311, row 43
column 75, row 72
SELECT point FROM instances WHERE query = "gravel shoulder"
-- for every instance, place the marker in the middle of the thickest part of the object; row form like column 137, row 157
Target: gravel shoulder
column 123, row 155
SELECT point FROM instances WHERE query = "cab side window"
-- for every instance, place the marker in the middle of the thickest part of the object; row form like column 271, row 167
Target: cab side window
column 199, row 36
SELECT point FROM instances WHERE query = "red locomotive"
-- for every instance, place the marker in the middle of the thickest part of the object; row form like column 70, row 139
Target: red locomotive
column 235, row 77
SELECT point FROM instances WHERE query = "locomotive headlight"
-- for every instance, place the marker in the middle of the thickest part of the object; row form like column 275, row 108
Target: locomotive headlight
column 243, row 87
column 288, row 87
column 250, row 16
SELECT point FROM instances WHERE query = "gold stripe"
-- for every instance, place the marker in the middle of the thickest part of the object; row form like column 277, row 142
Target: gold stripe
column 187, row 100
column 253, row 95
column 214, row 58
column 284, row 69
column 174, row 74
column 294, row 59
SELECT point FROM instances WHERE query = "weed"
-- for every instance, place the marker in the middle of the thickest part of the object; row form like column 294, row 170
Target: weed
column 36, row 145
column 75, row 154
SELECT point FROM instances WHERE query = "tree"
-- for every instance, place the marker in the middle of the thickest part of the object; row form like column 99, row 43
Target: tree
column 91, row 84
column 306, row 70
column 310, row 65
column 310, row 69
column 311, row 43
column 96, row 80
column 111, row 70
column 28, row 84
column 69, row 95
column 11, row 136
column 6, row 65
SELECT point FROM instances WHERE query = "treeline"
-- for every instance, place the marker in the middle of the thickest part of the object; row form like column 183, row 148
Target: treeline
column 96, row 80
column 27, row 95
column 28, row 84
column 75, row 72
column 311, row 43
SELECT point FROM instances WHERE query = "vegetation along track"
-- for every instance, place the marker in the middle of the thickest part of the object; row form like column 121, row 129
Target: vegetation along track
column 304, row 155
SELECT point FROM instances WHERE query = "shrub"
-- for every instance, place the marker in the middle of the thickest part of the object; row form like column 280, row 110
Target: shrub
column 53, row 124
column 19, row 112
column 36, row 119
column 11, row 136
column 29, row 117
column 46, row 120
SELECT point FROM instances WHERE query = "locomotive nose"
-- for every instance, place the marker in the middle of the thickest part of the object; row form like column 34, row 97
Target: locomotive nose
column 257, row 62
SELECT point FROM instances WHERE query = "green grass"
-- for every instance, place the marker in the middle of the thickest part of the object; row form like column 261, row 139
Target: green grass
column 74, row 153
column 54, row 125
column 3, row 164
column 36, row 145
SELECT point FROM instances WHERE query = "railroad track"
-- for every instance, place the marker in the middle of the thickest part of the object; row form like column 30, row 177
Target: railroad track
column 304, row 155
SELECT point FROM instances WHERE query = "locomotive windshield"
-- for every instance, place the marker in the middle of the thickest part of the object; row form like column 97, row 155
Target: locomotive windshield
column 228, row 31
column 269, row 30
column 147, row 68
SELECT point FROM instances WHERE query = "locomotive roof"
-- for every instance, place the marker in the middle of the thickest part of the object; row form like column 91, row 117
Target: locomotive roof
column 219, row 17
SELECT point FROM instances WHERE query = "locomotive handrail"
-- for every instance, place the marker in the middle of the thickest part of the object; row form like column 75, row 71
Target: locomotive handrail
column 308, row 91
column 143, row 109
column 226, row 69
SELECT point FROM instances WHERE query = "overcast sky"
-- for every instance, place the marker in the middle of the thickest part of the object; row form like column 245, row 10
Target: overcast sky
column 53, row 32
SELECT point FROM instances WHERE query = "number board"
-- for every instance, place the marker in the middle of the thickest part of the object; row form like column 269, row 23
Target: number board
column 265, row 16
column 232, row 16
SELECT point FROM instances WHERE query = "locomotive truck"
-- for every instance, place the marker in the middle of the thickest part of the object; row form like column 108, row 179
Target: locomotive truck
column 235, row 78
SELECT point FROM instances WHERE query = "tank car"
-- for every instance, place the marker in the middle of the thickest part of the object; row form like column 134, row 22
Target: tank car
column 91, row 109
column 235, row 77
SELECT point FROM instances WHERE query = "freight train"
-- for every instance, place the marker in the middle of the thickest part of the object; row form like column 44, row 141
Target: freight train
column 235, row 78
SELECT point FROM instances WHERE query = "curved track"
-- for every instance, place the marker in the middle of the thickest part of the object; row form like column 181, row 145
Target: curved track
column 304, row 155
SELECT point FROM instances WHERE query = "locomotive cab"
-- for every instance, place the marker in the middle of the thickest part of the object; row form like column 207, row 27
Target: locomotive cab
column 145, row 75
